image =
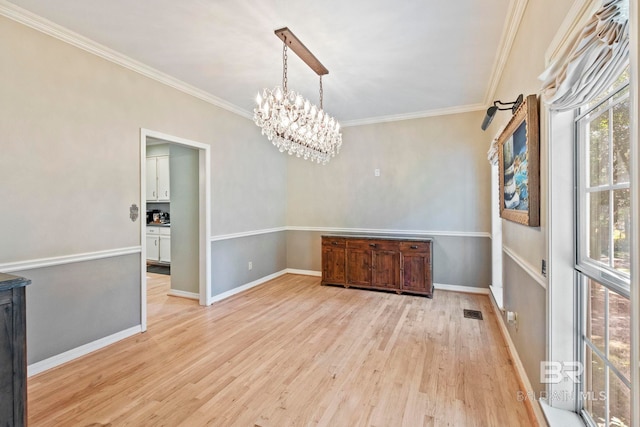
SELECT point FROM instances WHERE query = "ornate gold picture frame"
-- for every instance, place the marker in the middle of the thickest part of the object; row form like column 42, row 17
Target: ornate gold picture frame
column 519, row 165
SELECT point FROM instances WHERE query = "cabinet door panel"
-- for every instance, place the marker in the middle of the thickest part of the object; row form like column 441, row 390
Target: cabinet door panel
column 359, row 267
column 385, row 269
column 153, row 248
column 152, row 183
column 333, row 268
column 163, row 178
column 6, row 359
column 165, row 248
column 416, row 273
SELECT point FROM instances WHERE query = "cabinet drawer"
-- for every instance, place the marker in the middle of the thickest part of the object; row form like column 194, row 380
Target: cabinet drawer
column 164, row 231
column 358, row 244
column 414, row 246
column 383, row 245
column 153, row 230
column 371, row 244
column 336, row 242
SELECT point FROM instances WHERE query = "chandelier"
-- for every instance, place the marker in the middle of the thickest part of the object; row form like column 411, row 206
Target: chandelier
column 289, row 120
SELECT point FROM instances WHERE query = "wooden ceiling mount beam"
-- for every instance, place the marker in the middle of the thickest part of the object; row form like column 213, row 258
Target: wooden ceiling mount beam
column 301, row 50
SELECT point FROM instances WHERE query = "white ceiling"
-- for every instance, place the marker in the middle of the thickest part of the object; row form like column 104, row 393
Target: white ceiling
column 386, row 59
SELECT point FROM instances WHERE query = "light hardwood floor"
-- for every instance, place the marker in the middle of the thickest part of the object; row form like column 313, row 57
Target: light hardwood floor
column 293, row 353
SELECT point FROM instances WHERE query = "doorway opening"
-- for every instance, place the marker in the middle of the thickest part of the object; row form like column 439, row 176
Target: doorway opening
column 175, row 197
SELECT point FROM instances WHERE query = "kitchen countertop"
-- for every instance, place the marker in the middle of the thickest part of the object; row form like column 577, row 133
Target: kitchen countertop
column 158, row 224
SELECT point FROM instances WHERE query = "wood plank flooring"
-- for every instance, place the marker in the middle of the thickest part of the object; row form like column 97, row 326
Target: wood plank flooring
column 292, row 353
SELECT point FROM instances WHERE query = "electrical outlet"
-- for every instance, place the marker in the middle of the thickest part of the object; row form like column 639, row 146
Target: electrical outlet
column 376, row 172
column 250, row 265
column 512, row 319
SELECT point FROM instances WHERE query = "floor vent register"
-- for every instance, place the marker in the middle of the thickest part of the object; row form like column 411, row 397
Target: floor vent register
column 473, row 314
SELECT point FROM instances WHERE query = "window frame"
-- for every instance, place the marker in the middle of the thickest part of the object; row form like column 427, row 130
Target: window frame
column 586, row 268
column 607, row 275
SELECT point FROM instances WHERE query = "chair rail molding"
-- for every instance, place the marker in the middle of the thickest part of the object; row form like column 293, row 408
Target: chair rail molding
column 10, row 267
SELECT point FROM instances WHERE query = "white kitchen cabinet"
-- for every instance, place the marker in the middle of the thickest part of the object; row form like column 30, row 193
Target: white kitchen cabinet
column 159, row 244
column 162, row 168
column 152, row 179
column 153, row 247
column 158, row 188
column 165, row 249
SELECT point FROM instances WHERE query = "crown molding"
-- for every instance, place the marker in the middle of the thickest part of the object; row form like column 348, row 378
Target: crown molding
column 509, row 33
column 410, row 116
column 59, row 32
column 25, row 17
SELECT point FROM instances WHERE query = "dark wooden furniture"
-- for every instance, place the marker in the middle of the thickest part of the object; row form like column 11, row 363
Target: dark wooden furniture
column 13, row 351
column 399, row 264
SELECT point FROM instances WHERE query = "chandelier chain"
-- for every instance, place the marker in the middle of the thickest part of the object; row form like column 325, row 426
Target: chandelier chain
column 321, row 92
column 284, row 66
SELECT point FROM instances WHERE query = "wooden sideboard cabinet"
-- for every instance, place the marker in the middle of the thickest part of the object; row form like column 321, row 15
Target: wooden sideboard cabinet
column 403, row 265
column 13, row 351
column 334, row 268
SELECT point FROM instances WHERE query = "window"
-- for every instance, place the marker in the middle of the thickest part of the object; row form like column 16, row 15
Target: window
column 603, row 255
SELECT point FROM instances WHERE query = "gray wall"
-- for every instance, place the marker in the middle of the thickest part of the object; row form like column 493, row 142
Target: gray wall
column 230, row 259
column 72, row 305
column 70, row 125
column 185, row 224
column 462, row 261
column 525, row 296
column 70, row 168
column 433, row 176
column 522, row 293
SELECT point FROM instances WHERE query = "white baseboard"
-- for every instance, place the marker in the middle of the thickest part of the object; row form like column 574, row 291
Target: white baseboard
column 67, row 356
column 183, row 294
column 517, row 363
column 262, row 280
column 304, row 272
column 242, row 288
column 458, row 288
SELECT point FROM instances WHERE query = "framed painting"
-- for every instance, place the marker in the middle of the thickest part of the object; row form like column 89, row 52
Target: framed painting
column 519, row 165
